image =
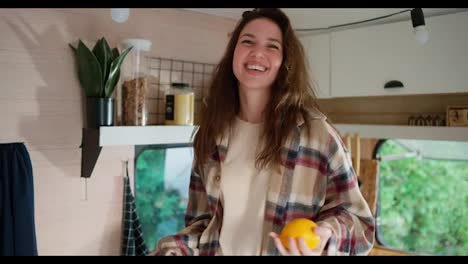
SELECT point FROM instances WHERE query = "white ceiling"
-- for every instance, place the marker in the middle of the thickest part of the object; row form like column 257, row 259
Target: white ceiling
column 325, row 17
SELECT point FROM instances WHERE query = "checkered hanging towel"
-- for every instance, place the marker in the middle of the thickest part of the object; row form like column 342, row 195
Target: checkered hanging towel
column 133, row 243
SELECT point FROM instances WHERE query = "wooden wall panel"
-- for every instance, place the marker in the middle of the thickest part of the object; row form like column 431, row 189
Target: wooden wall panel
column 388, row 110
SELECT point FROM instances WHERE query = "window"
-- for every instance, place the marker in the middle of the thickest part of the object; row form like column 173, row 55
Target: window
column 162, row 180
column 423, row 198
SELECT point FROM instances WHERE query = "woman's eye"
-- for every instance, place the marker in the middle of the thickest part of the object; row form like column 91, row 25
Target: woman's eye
column 247, row 41
column 274, row 47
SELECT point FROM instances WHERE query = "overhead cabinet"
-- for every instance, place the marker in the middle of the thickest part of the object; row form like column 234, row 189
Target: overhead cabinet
column 317, row 50
column 364, row 60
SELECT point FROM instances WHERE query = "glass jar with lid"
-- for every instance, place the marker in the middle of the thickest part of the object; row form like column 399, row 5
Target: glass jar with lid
column 180, row 102
column 133, row 92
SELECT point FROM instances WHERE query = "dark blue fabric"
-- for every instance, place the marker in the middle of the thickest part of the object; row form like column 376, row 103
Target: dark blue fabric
column 17, row 224
column 133, row 243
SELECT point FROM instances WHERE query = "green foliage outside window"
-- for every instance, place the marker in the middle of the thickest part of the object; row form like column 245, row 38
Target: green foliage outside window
column 161, row 208
column 423, row 204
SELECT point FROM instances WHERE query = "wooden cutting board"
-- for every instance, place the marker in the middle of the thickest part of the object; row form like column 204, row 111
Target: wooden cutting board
column 368, row 175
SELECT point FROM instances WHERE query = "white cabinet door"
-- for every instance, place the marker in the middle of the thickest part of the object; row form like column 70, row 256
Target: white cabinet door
column 364, row 59
column 317, row 51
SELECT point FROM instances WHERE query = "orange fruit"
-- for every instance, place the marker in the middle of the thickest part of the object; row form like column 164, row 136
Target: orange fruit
column 300, row 228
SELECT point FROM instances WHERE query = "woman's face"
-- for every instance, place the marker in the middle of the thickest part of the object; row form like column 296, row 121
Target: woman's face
column 258, row 54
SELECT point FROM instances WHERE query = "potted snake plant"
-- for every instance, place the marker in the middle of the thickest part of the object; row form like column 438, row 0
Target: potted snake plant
column 98, row 73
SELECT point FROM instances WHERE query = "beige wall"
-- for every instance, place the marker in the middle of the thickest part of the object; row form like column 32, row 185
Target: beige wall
column 41, row 105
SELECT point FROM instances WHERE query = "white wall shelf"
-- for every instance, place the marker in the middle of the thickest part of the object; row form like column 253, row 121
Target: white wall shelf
column 405, row 132
column 94, row 139
column 145, row 135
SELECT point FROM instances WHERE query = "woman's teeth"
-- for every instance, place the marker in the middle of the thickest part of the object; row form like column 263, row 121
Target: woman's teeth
column 256, row 67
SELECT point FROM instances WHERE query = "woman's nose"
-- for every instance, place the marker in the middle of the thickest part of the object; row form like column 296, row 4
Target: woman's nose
column 257, row 52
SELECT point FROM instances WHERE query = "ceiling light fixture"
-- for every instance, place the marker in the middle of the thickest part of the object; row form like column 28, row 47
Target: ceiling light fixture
column 120, row 15
column 417, row 17
column 419, row 25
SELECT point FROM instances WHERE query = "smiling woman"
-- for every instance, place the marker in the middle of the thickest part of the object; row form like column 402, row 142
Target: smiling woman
column 266, row 155
column 258, row 53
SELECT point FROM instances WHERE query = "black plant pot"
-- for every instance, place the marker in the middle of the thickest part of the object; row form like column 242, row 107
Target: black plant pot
column 99, row 112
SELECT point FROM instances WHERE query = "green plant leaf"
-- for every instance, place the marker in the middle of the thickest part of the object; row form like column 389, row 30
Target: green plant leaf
column 114, row 73
column 103, row 56
column 110, row 59
column 115, row 53
column 89, row 71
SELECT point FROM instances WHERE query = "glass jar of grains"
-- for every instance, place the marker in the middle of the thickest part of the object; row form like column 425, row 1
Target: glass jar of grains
column 132, row 104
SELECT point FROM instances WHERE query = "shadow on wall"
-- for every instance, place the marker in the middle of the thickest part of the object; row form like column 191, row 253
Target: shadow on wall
column 52, row 126
column 56, row 121
column 45, row 35
column 56, row 111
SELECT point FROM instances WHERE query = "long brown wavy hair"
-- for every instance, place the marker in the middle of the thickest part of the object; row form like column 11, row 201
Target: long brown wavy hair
column 291, row 95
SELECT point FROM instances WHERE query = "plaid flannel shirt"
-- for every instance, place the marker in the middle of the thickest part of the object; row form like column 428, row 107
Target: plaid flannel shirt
column 316, row 180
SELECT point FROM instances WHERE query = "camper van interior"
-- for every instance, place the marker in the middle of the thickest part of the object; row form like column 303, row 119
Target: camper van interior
column 392, row 81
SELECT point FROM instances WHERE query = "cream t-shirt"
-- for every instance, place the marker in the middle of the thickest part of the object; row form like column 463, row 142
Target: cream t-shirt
column 243, row 192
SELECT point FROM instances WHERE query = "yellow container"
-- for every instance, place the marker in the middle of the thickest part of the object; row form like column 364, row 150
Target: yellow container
column 180, row 105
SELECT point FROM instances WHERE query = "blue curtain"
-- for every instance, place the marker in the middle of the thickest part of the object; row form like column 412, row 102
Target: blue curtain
column 17, row 224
